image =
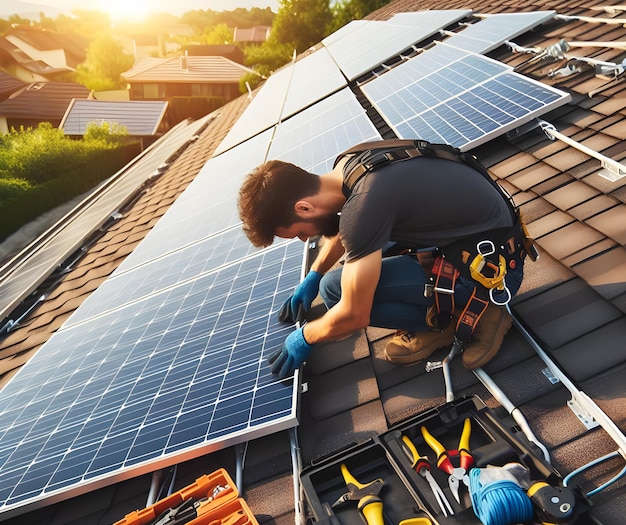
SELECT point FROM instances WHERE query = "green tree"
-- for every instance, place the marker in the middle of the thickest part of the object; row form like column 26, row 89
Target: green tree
column 199, row 20
column 106, row 134
column 219, row 34
column 344, row 11
column 106, row 61
column 301, row 23
column 89, row 24
column 265, row 59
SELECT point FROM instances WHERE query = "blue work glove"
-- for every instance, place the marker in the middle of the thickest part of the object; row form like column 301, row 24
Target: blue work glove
column 291, row 354
column 299, row 303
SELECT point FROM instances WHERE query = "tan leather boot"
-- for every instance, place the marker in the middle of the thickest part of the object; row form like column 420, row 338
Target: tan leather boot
column 488, row 336
column 406, row 348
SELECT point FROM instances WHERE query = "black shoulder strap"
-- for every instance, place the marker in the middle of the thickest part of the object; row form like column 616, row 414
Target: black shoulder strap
column 369, row 155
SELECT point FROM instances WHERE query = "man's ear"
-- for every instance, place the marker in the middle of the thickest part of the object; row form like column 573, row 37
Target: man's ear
column 303, row 207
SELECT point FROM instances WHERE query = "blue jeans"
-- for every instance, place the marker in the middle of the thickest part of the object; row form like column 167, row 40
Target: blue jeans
column 399, row 301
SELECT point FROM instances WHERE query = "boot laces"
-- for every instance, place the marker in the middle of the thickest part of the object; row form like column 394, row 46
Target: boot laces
column 405, row 336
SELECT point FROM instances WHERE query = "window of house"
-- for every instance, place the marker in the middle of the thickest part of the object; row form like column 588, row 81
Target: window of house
column 153, row 91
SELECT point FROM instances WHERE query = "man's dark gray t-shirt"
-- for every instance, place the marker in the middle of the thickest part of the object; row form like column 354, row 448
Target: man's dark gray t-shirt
column 419, row 202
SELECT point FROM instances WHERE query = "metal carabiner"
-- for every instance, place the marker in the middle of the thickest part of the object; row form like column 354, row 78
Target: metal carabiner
column 493, row 291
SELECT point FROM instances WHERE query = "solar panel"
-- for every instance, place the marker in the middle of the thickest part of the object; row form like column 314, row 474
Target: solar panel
column 286, row 92
column 493, row 30
column 173, row 375
column 366, row 46
column 167, row 360
column 463, row 99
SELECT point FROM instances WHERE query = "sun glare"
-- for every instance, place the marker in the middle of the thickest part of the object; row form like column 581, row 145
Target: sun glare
column 127, row 10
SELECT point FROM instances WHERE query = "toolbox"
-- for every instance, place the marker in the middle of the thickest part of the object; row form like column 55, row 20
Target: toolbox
column 376, row 482
column 214, row 496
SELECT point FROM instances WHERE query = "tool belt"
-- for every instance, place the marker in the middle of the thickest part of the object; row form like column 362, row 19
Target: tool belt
column 484, row 258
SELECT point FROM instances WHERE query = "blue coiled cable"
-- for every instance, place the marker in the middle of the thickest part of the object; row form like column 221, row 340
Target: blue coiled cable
column 500, row 502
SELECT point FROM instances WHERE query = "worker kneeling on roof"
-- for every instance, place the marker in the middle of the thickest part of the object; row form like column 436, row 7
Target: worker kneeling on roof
column 463, row 249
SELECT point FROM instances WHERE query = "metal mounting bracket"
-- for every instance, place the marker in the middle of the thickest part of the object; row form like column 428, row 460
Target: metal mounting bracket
column 582, row 413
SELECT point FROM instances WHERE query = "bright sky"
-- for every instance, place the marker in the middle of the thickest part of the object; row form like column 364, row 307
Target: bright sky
column 136, row 9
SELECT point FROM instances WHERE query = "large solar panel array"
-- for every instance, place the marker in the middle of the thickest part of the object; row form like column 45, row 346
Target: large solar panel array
column 167, row 359
column 493, row 30
column 361, row 47
column 449, row 95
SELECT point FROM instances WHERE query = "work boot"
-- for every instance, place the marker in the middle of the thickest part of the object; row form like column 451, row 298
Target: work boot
column 488, row 336
column 406, row 348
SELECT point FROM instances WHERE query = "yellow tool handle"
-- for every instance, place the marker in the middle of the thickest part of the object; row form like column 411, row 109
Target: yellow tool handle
column 464, row 442
column 437, row 447
column 416, row 521
column 414, row 454
column 349, row 478
column 372, row 509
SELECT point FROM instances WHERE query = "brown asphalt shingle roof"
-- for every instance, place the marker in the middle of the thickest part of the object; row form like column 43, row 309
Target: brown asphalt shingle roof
column 573, row 300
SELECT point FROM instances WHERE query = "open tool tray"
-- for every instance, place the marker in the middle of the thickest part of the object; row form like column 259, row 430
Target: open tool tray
column 324, row 485
column 220, row 500
column 404, row 493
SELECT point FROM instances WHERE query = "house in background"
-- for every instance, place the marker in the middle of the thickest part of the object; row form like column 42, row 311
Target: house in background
column 18, row 64
column 61, row 51
column 193, row 85
column 230, row 51
column 39, row 102
column 145, row 120
column 256, row 35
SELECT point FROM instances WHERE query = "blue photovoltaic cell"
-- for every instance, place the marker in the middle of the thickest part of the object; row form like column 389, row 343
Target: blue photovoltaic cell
column 176, row 267
column 359, row 48
column 451, row 96
column 492, row 31
column 181, row 369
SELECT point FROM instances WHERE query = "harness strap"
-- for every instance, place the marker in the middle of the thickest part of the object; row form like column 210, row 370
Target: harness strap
column 369, row 155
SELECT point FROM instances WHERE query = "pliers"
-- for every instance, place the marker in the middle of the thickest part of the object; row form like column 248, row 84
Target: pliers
column 366, row 494
column 422, row 467
column 462, row 458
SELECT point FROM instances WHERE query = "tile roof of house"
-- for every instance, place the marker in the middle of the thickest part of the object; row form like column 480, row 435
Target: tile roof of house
column 573, row 300
column 8, row 85
column 207, row 69
column 44, row 100
column 140, row 118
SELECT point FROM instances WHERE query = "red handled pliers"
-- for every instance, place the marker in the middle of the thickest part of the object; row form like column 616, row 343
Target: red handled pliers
column 454, row 462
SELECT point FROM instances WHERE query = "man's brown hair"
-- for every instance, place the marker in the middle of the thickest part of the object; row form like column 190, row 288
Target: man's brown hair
column 267, row 198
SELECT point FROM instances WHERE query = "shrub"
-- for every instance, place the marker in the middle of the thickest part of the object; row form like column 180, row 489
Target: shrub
column 10, row 187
